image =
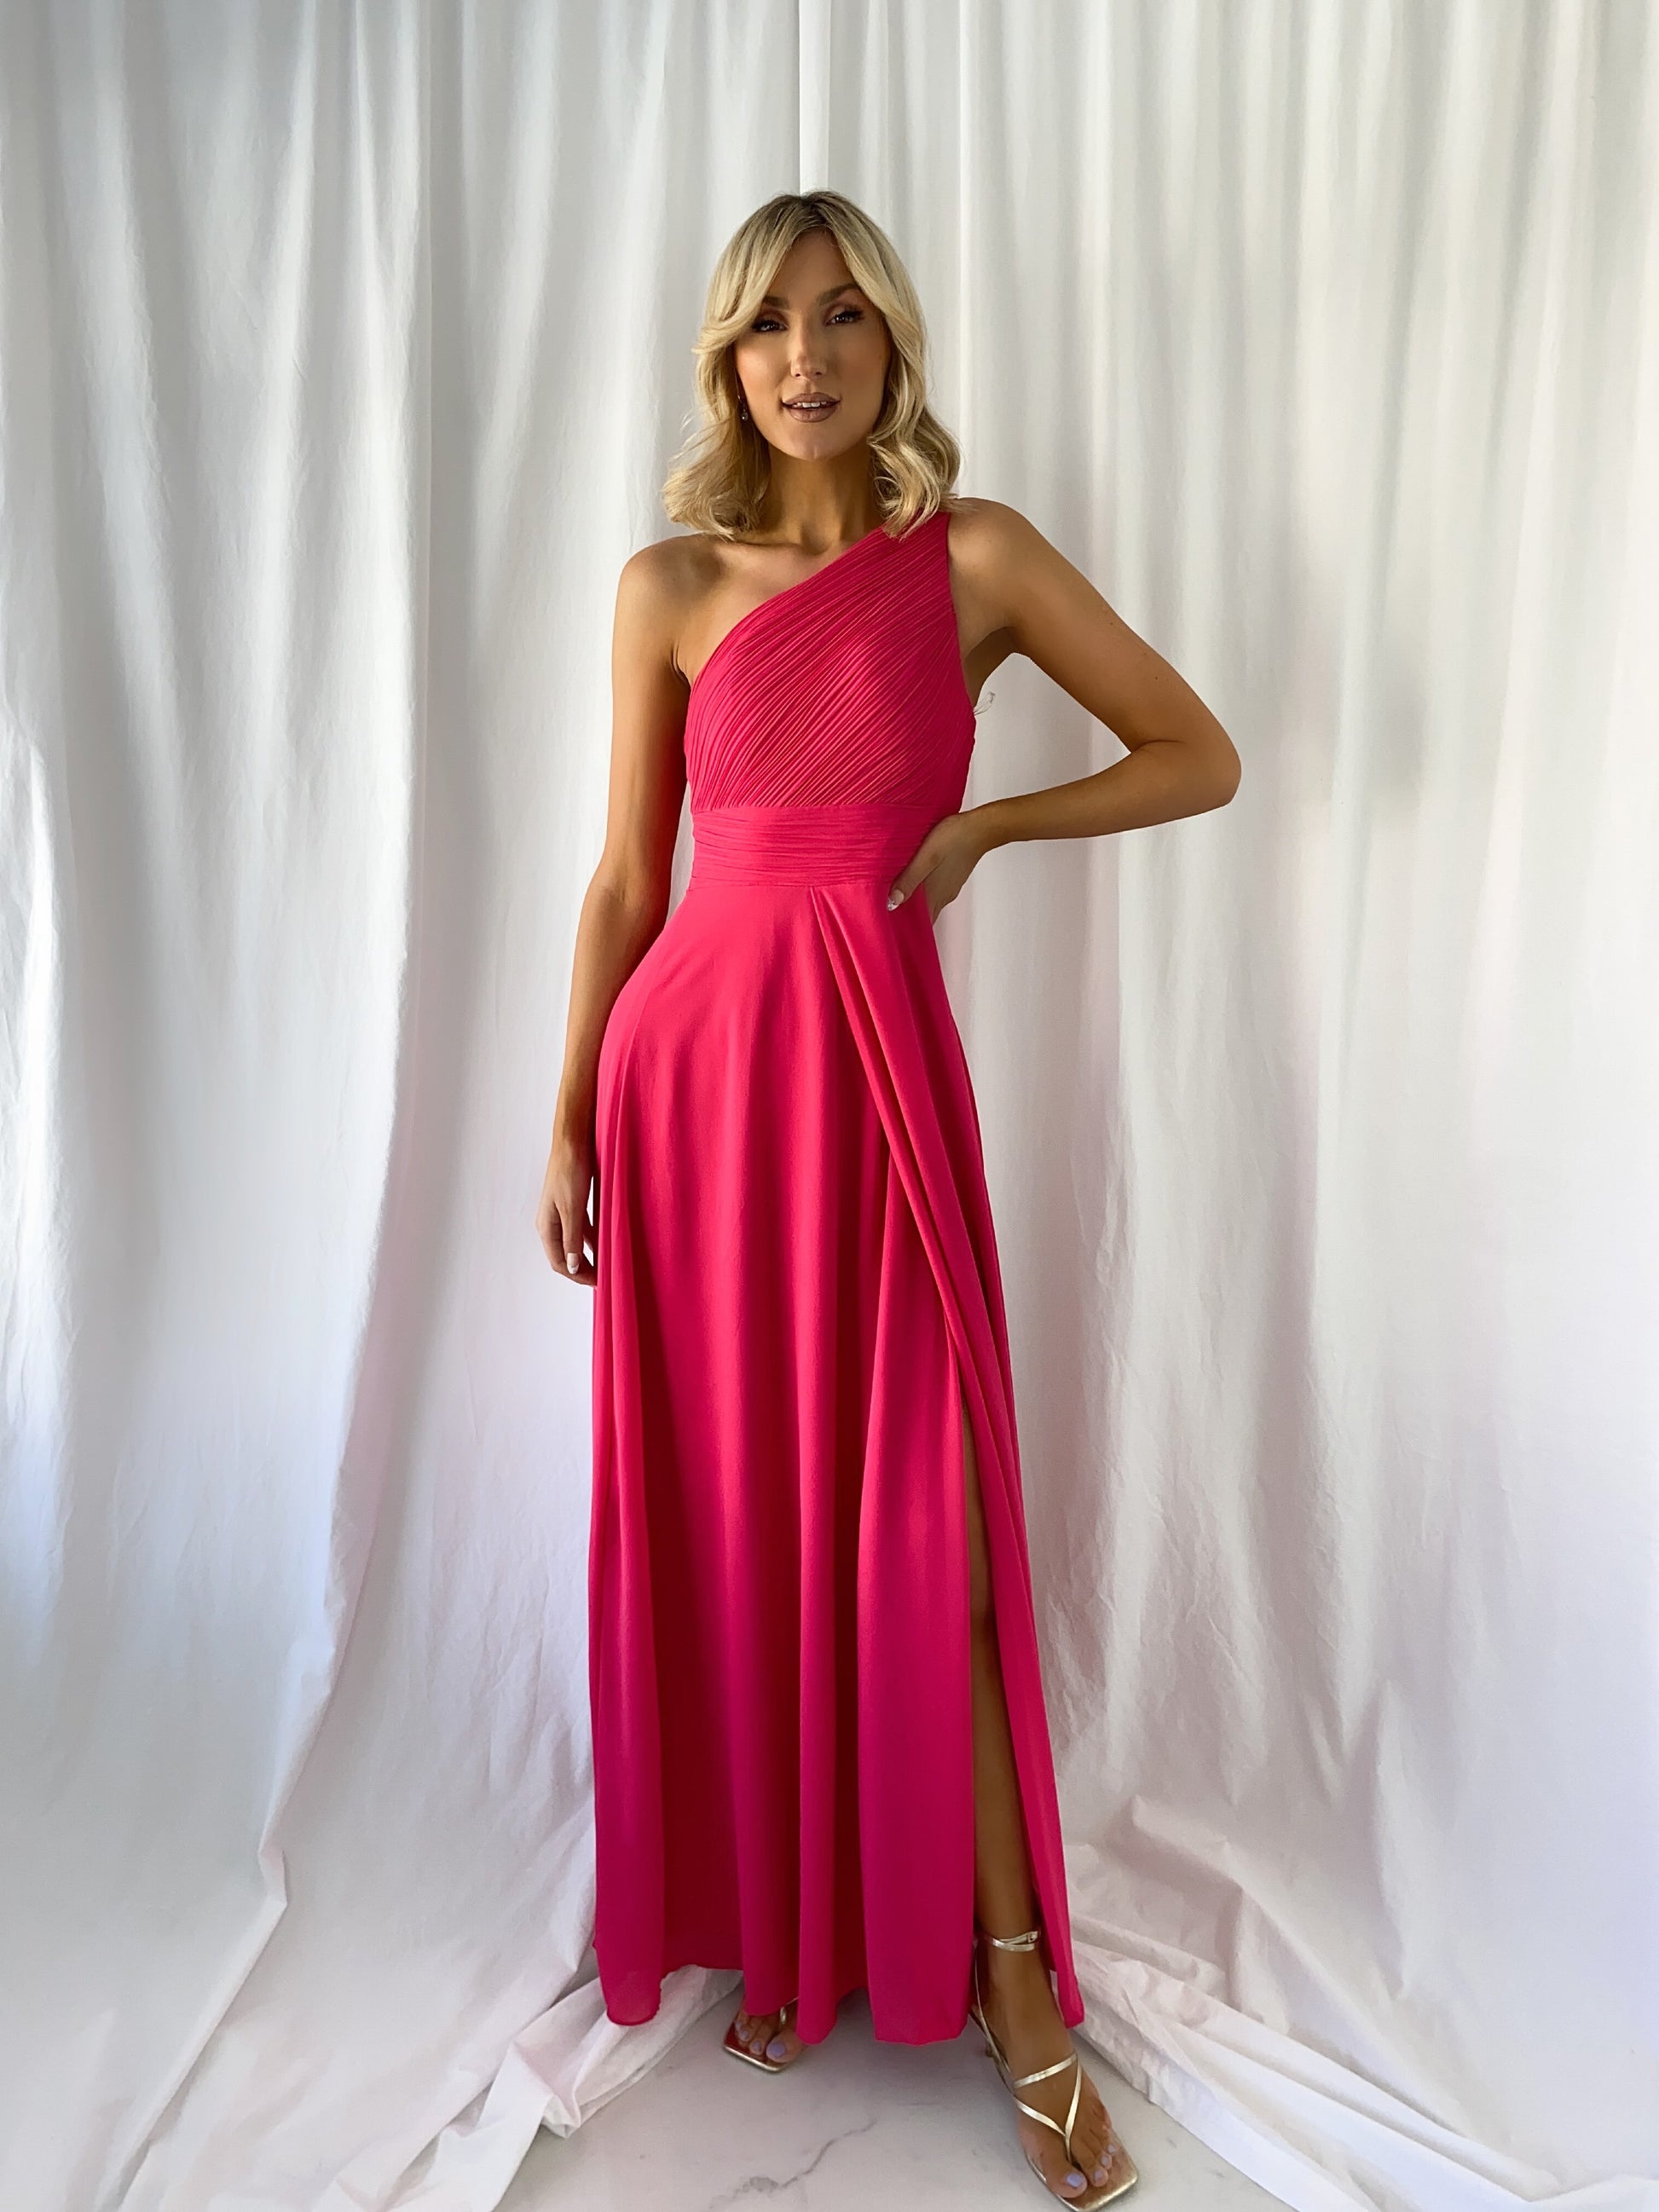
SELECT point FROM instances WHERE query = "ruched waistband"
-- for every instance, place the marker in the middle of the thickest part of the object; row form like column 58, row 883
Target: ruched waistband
column 804, row 844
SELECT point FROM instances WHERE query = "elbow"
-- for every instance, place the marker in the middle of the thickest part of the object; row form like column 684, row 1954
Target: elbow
column 639, row 895
column 1222, row 771
column 1230, row 769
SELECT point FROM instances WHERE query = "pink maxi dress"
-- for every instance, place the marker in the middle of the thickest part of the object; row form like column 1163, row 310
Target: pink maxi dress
column 796, row 1269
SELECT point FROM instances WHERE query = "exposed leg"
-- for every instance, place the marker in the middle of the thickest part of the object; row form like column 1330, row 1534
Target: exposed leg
column 1018, row 1997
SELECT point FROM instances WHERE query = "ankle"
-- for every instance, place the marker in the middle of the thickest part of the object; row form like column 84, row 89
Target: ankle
column 1013, row 1974
column 1006, row 1943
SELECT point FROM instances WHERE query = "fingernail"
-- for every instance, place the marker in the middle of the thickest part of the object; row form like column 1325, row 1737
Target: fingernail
column 777, row 2048
column 571, row 1262
column 893, row 898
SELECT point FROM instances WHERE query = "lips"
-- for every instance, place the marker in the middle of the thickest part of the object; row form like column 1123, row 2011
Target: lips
column 812, row 409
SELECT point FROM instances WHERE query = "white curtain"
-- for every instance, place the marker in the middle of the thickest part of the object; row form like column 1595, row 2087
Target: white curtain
column 343, row 351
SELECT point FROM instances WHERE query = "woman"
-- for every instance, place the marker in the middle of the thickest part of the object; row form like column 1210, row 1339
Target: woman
column 821, row 1748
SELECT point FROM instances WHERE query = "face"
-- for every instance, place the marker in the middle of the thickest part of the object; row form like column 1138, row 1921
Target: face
column 815, row 333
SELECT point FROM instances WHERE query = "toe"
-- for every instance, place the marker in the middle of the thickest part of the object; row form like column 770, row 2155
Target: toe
column 769, row 2035
column 1089, row 2136
column 1059, row 2177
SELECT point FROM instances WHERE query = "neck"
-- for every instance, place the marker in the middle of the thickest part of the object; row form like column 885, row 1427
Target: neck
column 818, row 509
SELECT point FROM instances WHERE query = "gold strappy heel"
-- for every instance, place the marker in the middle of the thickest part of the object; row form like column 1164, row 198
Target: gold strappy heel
column 738, row 2049
column 1122, row 2173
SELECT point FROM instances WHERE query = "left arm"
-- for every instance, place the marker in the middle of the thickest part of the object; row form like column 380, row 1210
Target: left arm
column 1025, row 593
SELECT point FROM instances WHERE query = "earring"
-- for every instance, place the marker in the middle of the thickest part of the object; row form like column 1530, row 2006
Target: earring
column 743, row 411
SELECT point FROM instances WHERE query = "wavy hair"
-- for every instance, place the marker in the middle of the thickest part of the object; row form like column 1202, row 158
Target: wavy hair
column 719, row 485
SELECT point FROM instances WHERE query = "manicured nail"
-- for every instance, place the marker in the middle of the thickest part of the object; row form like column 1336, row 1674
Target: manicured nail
column 571, row 1262
column 777, row 2048
column 893, row 898
column 1074, row 2179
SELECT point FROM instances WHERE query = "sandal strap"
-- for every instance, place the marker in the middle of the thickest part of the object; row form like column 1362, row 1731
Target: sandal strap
column 1016, row 2082
column 1028, row 1941
column 1064, row 2133
column 1043, row 2072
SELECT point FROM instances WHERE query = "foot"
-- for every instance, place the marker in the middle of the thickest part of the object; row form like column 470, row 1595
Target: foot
column 768, row 2035
column 1021, row 2013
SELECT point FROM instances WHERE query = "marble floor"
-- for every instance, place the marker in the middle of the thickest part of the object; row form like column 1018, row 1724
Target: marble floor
column 854, row 2126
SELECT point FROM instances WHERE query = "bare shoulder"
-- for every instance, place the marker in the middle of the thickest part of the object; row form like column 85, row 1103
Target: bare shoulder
column 1032, row 600
column 1023, row 581
column 654, row 587
column 666, row 586
column 988, row 541
column 993, row 552
column 650, row 587
column 986, row 530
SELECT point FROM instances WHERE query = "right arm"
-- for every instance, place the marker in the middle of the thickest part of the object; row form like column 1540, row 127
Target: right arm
column 627, row 900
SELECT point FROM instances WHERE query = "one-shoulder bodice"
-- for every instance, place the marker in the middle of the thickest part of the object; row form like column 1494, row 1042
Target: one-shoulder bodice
column 832, row 718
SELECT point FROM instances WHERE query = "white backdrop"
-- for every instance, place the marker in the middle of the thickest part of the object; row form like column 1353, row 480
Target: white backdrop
column 343, row 351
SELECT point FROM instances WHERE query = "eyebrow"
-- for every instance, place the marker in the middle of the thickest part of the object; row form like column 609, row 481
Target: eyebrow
column 777, row 300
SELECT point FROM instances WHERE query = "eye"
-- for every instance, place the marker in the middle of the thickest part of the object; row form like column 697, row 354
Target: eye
column 768, row 320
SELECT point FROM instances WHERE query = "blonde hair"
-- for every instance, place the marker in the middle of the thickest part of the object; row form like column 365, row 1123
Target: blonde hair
column 720, row 487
